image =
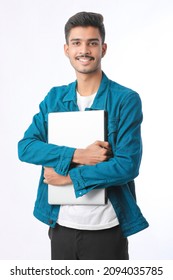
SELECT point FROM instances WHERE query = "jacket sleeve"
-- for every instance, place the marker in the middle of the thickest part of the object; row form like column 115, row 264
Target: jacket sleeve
column 34, row 147
column 127, row 148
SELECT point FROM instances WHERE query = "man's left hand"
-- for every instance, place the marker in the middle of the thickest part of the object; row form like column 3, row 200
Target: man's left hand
column 55, row 179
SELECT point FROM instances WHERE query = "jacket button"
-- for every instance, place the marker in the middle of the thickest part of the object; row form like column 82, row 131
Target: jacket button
column 50, row 222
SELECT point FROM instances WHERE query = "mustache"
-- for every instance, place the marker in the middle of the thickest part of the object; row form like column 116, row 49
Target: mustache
column 85, row 56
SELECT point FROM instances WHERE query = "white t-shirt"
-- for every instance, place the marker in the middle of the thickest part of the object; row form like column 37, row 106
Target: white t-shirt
column 88, row 217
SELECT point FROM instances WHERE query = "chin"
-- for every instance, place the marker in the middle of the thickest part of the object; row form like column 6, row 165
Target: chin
column 86, row 71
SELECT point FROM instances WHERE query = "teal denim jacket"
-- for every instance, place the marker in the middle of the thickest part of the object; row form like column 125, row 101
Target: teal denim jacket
column 117, row 175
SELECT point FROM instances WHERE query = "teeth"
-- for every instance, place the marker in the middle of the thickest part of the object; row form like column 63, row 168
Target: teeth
column 84, row 59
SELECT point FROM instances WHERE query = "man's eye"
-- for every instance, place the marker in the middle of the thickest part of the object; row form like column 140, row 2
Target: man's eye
column 76, row 43
column 94, row 43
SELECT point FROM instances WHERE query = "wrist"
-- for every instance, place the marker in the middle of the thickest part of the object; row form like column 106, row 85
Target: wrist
column 77, row 156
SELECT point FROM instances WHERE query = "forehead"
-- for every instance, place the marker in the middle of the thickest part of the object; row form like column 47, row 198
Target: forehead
column 84, row 33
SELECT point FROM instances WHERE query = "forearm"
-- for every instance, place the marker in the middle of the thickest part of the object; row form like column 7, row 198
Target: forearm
column 55, row 179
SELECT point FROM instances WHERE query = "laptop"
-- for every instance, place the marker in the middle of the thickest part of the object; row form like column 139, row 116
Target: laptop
column 78, row 130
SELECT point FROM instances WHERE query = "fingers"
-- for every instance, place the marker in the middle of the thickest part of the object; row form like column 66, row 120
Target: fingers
column 106, row 148
column 97, row 152
column 103, row 144
column 105, row 154
column 48, row 172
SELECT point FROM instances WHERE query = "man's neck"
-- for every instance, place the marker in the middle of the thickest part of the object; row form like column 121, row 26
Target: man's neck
column 88, row 84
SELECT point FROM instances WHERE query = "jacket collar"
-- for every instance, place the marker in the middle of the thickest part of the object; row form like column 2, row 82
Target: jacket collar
column 101, row 96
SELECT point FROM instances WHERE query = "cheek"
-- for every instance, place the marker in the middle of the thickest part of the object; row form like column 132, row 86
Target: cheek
column 71, row 54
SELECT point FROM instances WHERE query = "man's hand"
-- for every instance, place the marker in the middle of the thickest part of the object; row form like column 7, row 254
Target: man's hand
column 95, row 153
column 53, row 178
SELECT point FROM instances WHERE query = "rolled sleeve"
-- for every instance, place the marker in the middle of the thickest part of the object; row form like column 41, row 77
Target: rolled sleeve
column 78, row 182
column 64, row 162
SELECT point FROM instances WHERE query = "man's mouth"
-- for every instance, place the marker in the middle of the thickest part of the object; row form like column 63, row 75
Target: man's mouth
column 84, row 58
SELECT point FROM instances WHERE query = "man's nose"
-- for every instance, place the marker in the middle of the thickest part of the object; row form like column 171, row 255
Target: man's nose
column 85, row 50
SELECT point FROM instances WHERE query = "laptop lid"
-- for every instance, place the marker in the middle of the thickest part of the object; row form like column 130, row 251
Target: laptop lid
column 78, row 130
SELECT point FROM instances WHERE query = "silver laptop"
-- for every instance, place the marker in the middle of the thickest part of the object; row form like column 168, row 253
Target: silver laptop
column 78, row 130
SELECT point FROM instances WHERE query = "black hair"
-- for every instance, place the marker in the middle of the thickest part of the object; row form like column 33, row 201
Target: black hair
column 85, row 19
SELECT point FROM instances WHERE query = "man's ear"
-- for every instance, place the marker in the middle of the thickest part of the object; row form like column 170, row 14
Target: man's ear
column 104, row 49
column 66, row 50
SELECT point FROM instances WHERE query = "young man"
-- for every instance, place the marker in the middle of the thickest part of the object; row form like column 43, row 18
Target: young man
column 78, row 231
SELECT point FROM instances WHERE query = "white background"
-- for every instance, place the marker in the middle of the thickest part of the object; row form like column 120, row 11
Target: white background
column 140, row 56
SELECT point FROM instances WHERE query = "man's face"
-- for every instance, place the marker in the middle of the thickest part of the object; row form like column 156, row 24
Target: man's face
column 85, row 49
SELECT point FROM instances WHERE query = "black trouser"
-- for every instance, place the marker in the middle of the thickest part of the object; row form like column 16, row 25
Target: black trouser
column 74, row 244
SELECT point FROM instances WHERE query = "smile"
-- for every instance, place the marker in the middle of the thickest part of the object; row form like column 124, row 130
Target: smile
column 83, row 58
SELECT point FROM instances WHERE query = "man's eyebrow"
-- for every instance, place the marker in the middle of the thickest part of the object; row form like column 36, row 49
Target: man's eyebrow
column 93, row 39
column 79, row 39
column 76, row 39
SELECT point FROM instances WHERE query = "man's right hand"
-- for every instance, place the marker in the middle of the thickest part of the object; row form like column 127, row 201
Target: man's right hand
column 95, row 153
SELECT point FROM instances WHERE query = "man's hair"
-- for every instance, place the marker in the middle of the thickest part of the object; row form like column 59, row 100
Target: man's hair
column 85, row 19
